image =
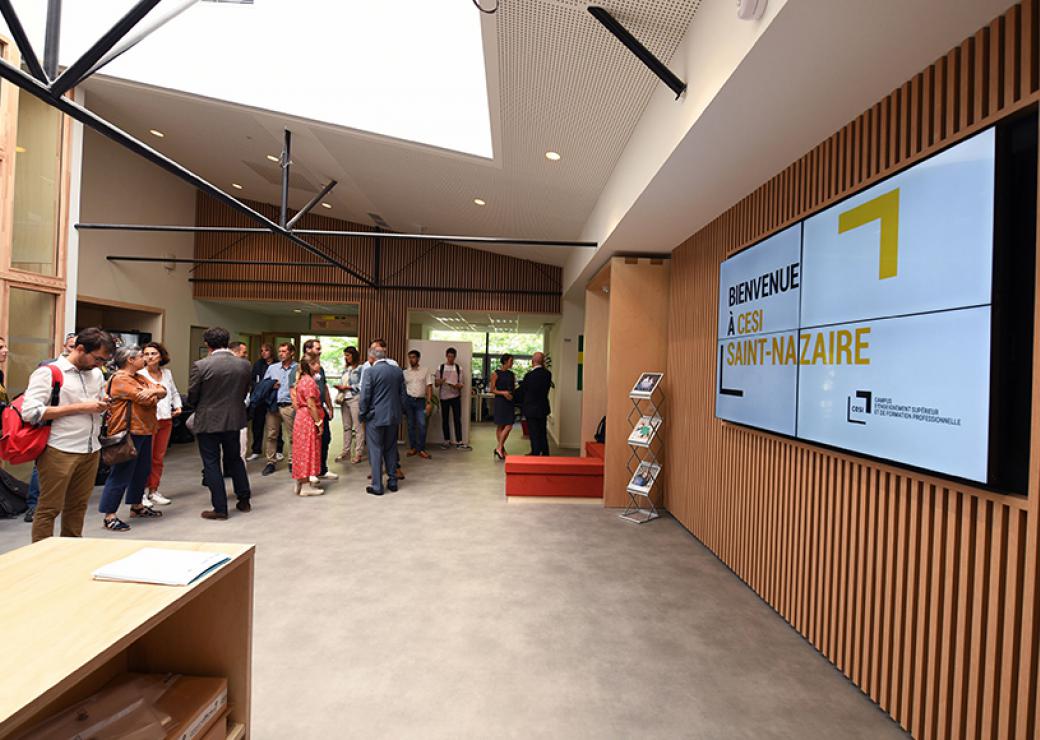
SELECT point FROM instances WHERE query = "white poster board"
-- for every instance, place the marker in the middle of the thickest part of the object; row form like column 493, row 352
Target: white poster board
column 432, row 358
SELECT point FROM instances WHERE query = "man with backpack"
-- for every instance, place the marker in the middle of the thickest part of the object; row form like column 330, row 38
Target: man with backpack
column 68, row 464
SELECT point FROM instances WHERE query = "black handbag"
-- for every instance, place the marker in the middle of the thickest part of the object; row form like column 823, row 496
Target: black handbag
column 117, row 448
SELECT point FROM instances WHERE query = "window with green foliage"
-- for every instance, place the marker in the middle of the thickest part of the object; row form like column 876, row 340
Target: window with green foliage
column 521, row 346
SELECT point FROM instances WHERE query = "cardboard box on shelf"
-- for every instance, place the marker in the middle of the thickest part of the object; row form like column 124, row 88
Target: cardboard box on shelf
column 195, row 703
column 219, row 730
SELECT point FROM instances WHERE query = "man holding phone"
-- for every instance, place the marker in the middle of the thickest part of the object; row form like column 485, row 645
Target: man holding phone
column 68, row 465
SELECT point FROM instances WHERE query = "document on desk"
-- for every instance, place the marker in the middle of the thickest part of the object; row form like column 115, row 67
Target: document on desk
column 161, row 566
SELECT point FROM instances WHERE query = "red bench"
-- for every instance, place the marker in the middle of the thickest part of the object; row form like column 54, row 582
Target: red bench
column 595, row 449
column 571, row 477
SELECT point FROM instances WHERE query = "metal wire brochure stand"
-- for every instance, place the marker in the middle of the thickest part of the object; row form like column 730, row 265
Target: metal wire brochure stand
column 646, row 448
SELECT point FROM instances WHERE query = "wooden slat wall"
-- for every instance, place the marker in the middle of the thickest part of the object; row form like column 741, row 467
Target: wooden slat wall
column 384, row 313
column 923, row 592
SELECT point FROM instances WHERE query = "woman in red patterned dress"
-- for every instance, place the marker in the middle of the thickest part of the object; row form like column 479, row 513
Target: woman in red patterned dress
column 307, row 428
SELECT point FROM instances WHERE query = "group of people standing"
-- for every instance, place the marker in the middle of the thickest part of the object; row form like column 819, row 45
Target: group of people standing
column 291, row 404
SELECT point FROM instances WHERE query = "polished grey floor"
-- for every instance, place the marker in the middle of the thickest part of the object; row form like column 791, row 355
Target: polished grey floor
column 442, row 611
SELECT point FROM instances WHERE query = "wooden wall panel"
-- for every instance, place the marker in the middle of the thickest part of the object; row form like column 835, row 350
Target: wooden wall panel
column 922, row 591
column 473, row 280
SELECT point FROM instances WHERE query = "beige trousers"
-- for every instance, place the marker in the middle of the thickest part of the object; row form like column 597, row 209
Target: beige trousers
column 353, row 429
column 284, row 416
column 66, row 481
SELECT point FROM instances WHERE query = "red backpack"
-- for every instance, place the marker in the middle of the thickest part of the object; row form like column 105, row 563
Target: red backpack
column 21, row 442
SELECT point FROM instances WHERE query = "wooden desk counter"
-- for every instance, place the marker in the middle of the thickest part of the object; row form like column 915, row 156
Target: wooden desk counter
column 68, row 634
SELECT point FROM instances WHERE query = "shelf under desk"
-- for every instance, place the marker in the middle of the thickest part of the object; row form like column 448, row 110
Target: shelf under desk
column 71, row 634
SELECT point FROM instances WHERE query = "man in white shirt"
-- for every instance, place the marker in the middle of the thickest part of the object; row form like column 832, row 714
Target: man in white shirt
column 450, row 383
column 68, row 465
column 418, row 383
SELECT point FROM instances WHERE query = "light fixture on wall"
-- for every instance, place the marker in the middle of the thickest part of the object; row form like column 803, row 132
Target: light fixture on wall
column 297, row 310
column 272, row 158
column 552, row 156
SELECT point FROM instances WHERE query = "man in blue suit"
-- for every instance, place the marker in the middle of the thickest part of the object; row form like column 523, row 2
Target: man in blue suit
column 382, row 404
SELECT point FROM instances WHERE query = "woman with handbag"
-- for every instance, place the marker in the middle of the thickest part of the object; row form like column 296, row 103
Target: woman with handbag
column 126, row 443
column 350, row 403
column 307, row 428
column 155, row 360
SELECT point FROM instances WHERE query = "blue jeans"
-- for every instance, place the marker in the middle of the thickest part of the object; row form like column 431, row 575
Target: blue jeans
column 129, row 477
column 34, row 490
column 415, row 412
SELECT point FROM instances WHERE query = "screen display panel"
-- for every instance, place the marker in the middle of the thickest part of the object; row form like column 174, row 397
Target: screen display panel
column 869, row 326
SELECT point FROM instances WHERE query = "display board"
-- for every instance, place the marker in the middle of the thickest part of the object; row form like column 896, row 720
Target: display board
column 868, row 326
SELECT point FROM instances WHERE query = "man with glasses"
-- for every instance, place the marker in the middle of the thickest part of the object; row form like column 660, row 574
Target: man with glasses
column 68, row 465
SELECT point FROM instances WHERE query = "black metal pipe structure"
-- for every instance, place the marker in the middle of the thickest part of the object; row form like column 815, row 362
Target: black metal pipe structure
column 311, row 204
column 211, row 261
column 103, row 127
column 486, row 240
column 21, row 40
column 633, row 44
column 286, row 162
column 80, row 69
column 424, row 288
column 51, row 41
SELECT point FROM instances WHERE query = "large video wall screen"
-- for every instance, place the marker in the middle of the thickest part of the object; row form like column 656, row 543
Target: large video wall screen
column 868, row 326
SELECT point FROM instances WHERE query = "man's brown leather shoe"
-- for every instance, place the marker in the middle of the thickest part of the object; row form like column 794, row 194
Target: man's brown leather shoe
column 244, row 506
column 213, row 515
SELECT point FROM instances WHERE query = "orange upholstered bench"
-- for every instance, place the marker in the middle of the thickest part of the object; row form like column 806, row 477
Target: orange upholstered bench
column 595, row 449
column 572, row 477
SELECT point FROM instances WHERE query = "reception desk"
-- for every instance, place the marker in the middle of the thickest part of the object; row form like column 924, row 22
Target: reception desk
column 68, row 635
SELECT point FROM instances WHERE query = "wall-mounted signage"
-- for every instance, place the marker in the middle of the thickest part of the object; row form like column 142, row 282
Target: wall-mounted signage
column 868, row 326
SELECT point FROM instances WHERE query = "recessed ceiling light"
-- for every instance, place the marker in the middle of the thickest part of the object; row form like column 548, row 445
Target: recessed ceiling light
column 236, row 186
column 552, row 156
column 272, row 158
column 21, row 149
column 326, row 205
column 156, row 132
column 297, row 310
column 480, row 201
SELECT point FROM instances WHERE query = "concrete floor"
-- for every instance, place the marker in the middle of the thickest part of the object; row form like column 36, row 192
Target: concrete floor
column 442, row 611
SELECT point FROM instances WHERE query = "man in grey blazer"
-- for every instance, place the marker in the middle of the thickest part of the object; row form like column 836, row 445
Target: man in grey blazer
column 216, row 389
column 382, row 404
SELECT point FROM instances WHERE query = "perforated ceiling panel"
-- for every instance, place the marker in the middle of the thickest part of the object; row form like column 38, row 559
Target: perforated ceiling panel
column 562, row 82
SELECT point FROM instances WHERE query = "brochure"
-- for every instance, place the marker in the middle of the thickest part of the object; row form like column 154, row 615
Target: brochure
column 643, row 433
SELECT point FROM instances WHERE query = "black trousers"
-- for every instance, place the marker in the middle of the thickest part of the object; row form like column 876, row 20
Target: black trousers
column 211, row 445
column 326, row 440
column 259, row 417
column 539, row 434
column 453, row 405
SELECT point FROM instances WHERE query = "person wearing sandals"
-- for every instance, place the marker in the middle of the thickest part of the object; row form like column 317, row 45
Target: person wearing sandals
column 350, row 395
column 155, row 360
column 133, row 399
column 307, row 430
column 503, row 383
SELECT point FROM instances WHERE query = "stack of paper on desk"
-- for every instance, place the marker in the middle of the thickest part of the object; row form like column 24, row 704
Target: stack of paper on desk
column 164, row 567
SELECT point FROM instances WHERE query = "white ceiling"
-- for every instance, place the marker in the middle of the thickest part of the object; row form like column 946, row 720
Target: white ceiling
column 483, row 321
column 819, row 64
column 291, row 308
column 556, row 81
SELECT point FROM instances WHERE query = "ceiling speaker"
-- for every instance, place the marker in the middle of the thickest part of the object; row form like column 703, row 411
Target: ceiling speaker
column 751, row 10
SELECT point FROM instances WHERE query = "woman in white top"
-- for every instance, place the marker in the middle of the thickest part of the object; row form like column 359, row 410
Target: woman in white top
column 155, row 360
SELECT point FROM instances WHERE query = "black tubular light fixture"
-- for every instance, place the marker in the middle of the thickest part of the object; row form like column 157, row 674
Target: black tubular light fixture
column 633, row 44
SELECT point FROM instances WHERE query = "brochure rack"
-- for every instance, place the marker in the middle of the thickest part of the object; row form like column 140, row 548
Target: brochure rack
column 646, row 448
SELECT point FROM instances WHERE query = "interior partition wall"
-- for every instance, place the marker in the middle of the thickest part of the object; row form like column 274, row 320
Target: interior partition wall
column 413, row 274
column 921, row 590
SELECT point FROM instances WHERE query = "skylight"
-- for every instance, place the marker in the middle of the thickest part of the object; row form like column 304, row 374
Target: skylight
column 409, row 69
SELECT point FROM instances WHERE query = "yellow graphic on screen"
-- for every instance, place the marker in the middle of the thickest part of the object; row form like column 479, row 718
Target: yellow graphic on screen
column 884, row 208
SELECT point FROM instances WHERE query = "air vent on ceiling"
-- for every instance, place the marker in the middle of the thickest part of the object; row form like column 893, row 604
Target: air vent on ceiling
column 379, row 221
